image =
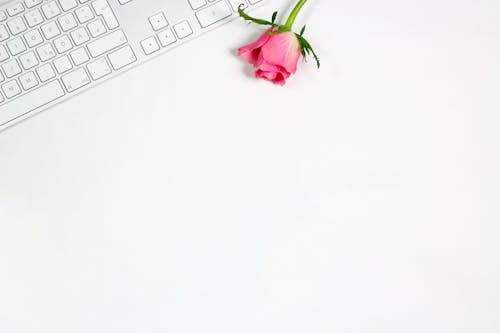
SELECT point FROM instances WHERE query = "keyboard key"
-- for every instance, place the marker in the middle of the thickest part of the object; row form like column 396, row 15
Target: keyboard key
column 28, row 81
column 3, row 33
column 67, row 22
column 79, row 56
column 46, row 52
column 213, row 13
column 16, row 46
column 103, row 9
column 75, row 80
column 84, row 14
column 166, row 37
column 197, row 4
column 4, row 55
column 45, row 72
column 50, row 10
column 99, row 68
column 106, row 43
column 62, row 64
column 68, row 4
column 28, row 60
column 3, row 16
column 33, row 38
column 32, row 3
column 150, row 45
column 16, row 26
column 15, row 9
column 30, row 101
column 80, row 36
column 183, row 29
column 11, row 68
column 158, row 21
column 50, row 30
column 63, row 44
column 11, row 89
column 122, row 57
column 96, row 28
column 34, row 18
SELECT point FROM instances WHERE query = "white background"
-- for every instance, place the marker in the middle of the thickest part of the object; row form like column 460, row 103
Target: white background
column 186, row 196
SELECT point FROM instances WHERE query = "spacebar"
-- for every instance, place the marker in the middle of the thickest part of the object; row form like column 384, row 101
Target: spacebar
column 31, row 101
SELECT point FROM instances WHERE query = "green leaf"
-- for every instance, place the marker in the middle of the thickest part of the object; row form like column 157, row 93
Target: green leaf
column 247, row 17
column 307, row 49
column 302, row 30
column 275, row 14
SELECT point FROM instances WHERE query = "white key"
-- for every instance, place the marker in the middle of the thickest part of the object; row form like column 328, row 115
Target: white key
column 150, row 45
column 16, row 26
column 16, row 46
column 196, row 4
column 122, row 57
column 34, row 18
column 50, row 10
column 11, row 89
column 30, row 101
column 62, row 64
column 4, row 55
column 3, row 16
column 67, row 22
column 103, row 9
column 80, row 36
column 96, row 28
column 4, row 34
column 166, row 37
column 46, row 52
column 45, row 72
column 99, row 68
column 15, row 9
column 28, row 80
column 63, row 44
column 28, row 60
column 50, row 30
column 1, row 77
column 84, row 14
column 11, row 68
column 106, row 43
column 32, row 3
column 213, row 13
column 68, row 4
column 79, row 56
column 33, row 38
column 183, row 29
column 158, row 21
column 75, row 80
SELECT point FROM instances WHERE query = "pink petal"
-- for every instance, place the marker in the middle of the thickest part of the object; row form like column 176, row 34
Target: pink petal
column 282, row 49
column 252, row 51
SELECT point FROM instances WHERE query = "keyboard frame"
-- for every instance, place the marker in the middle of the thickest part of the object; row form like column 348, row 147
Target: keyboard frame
column 133, row 41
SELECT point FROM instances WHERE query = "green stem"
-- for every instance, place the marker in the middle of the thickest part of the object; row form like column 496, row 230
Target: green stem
column 293, row 15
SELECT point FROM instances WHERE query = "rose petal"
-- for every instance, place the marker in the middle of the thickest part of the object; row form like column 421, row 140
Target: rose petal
column 282, row 49
column 252, row 51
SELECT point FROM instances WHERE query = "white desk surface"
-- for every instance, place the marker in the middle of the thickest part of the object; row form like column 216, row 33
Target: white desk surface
column 186, row 196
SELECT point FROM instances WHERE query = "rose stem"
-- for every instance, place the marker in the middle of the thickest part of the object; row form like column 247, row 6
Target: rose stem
column 293, row 15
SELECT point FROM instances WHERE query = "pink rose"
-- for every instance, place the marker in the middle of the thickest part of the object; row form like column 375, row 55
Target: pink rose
column 274, row 55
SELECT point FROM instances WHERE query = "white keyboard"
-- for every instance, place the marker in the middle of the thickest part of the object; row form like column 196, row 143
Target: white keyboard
column 51, row 50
